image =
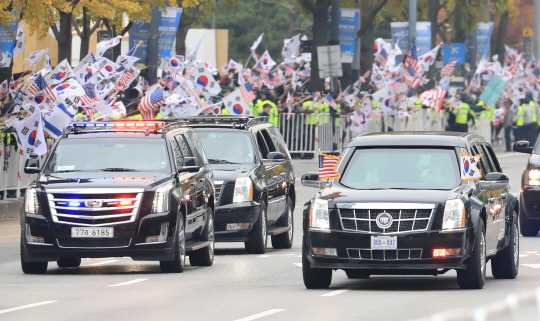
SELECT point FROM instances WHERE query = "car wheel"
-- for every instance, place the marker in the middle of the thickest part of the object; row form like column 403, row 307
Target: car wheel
column 256, row 243
column 314, row 278
column 205, row 256
column 32, row 267
column 357, row 274
column 527, row 227
column 69, row 262
column 506, row 264
column 474, row 276
column 285, row 240
column 179, row 263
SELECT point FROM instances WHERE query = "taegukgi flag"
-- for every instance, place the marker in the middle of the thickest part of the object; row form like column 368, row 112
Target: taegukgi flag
column 19, row 42
column 30, row 133
column 469, row 169
column 236, row 104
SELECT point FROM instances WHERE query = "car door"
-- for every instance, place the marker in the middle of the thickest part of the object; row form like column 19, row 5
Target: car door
column 486, row 193
column 269, row 176
column 280, row 175
column 501, row 192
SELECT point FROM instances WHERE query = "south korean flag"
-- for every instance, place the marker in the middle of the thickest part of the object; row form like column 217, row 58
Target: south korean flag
column 31, row 138
column 203, row 79
column 469, row 167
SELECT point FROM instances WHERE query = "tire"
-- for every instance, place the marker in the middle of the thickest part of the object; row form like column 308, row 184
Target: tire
column 32, row 267
column 506, row 264
column 285, row 240
column 256, row 243
column 527, row 227
column 205, row 256
column 315, row 278
column 69, row 262
column 179, row 263
column 474, row 276
column 357, row 274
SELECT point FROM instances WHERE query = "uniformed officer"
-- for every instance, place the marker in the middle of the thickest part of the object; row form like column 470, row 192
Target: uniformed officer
column 463, row 115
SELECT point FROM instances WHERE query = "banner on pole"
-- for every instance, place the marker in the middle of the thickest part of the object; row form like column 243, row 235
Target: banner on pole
column 400, row 35
column 7, row 43
column 483, row 37
column 456, row 51
column 348, row 26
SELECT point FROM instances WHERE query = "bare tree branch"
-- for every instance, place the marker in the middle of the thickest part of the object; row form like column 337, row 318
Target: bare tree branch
column 279, row 4
column 309, row 4
column 96, row 25
column 56, row 33
column 127, row 27
column 76, row 25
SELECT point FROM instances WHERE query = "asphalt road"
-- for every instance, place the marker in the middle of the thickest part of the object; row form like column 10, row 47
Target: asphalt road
column 240, row 286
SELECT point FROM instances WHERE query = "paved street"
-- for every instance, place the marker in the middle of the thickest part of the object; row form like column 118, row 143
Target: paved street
column 241, row 286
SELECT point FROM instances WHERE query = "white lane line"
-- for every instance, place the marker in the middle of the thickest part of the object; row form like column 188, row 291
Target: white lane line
column 534, row 266
column 507, row 154
column 298, row 264
column 101, row 263
column 530, row 252
column 128, row 282
column 264, row 255
column 26, row 306
column 261, row 315
column 334, row 293
column 523, row 255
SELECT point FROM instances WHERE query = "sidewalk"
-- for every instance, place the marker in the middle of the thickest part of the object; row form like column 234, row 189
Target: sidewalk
column 11, row 208
column 10, row 230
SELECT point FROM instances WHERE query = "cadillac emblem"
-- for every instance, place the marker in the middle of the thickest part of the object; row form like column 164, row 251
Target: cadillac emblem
column 93, row 203
column 384, row 220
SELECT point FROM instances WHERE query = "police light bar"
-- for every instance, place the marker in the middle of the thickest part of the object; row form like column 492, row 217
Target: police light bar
column 138, row 125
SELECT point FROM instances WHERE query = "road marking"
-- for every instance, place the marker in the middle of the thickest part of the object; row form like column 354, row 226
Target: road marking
column 509, row 154
column 530, row 252
column 128, row 282
column 523, row 255
column 334, row 293
column 101, row 263
column 298, row 264
column 261, row 315
column 26, row 306
column 534, row 266
column 264, row 255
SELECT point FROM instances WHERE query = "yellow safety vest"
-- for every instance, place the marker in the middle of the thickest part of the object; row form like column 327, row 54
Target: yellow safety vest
column 274, row 116
column 462, row 113
column 324, row 108
column 310, row 119
column 418, row 104
column 225, row 111
column 337, row 121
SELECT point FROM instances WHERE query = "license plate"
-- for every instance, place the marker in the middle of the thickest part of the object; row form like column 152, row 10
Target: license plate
column 384, row 242
column 92, row 232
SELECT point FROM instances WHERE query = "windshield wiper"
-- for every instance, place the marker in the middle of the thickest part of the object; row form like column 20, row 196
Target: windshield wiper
column 68, row 171
column 117, row 169
column 220, row 161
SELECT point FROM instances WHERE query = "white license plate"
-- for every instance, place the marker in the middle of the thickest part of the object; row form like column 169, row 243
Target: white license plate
column 384, row 242
column 92, row 232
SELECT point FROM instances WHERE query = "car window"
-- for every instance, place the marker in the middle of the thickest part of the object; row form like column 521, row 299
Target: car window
column 483, row 163
column 493, row 158
column 177, row 151
column 278, row 141
column 199, row 147
column 226, row 147
column 197, row 153
column 269, row 143
column 184, row 146
column 262, row 146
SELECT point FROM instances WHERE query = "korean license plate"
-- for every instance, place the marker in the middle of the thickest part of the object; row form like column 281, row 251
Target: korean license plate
column 384, row 242
column 92, row 232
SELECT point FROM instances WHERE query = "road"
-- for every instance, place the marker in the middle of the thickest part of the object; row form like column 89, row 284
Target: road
column 240, row 286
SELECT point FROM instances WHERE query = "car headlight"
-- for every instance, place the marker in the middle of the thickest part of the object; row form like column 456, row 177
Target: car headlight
column 31, row 204
column 454, row 215
column 320, row 218
column 534, row 177
column 243, row 190
column 161, row 199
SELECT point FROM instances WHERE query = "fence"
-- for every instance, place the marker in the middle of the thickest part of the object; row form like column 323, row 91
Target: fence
column 524, row 306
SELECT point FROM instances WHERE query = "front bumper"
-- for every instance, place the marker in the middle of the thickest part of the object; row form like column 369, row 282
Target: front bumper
column 530, row 201
column 422, row 243
column 245, row 212
column 129, row 240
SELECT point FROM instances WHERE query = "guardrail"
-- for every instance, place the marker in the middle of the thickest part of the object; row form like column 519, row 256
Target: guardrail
column 523, row 306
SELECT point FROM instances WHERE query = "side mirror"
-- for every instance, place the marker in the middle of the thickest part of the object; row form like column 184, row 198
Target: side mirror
column 276, row 157
column 32, row 165
column 522, row 146
column 311, row 180
column 496, row 177
column 190, row 165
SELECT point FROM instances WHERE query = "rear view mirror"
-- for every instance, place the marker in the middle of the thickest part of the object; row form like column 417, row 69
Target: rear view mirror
column 190, row 165
column 311, row 180
column 522, row 146
column 32, row 165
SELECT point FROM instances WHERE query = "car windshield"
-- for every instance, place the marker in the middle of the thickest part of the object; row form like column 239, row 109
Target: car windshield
column 114, row 154
column 227, row 147
column 407, row 168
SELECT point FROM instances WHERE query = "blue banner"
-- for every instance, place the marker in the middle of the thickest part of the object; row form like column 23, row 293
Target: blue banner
column 140, row 31
column 400, row 35
column 7, row 43
column 348, row 26
column 483, row 37
column 456, row 51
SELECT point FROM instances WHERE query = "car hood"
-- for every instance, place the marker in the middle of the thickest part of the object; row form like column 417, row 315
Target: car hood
column 230, row 172
column 339, row 195
column 80, row 180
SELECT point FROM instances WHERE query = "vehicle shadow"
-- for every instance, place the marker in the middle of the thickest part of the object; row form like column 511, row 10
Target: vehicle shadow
column 110, row 269
column 230, row 251
column 401, row 283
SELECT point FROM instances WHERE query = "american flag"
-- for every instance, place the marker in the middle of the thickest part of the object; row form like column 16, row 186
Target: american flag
column 3, row 88
column 132, row 50
column 149, row 102
column 125, row 80
column 381, row 57
column 533, row 75
column 413, row 53
column 85, row 100
column 331, row 101
column 37, row 85
column 410, row 79
column 167, row 83
column 90, row 90
column 434, row 98
column 448, row 69
column 247, row 93
column 327, row 166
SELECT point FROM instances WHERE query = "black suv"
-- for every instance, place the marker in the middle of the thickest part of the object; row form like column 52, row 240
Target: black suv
column 404, row 205
column 254, row 180
column 529, row 201
column 141, row 189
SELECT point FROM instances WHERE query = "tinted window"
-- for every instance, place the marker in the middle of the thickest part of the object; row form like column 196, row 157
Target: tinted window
column 493, row 158
column 198, row 148
column 268, row 140
column 405, row 168
column 262, row 146
column 278, row 141
column 222, row 147
column 178, row 155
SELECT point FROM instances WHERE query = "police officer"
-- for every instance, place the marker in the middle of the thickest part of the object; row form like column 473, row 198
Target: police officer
column 266, row 110
column 463, row 114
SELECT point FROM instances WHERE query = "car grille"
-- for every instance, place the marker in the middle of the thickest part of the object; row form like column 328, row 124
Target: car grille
column 361, row 218
column 218, row 186
column 385, row 255
column 96, row 207
column 94, row 243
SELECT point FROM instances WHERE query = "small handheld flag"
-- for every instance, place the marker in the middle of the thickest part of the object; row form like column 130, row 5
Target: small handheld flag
column 469, row 169
column 328, row 166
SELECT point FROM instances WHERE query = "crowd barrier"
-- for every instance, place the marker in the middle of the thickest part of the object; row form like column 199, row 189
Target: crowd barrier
column 303, row 133
column 524, row 306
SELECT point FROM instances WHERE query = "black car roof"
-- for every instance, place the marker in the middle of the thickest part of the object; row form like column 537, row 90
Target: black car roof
column 446, row 139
